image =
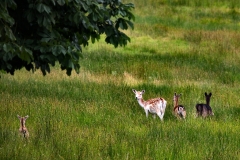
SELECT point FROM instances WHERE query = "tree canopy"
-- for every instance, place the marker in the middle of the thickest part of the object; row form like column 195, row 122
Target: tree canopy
column 38, row 33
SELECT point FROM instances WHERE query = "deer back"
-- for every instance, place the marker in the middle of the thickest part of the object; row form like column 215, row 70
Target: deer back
column 23, row 129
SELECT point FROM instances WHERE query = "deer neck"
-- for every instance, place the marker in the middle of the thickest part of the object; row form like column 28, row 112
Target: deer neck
column 175, row 104
column 141, row 102
column 207, row 101
column 22, row 125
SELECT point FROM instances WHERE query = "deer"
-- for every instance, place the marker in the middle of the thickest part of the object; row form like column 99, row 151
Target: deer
column 179, row 110
column 156, row 106
column 204, row 110
column 23, row 129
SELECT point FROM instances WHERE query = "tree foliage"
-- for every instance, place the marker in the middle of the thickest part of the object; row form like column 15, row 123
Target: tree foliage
column 38, row 33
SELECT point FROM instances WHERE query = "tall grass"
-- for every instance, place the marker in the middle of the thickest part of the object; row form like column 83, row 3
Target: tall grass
column 189, row 47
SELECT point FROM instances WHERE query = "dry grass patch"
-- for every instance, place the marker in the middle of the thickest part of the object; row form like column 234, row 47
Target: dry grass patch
column 130, row 80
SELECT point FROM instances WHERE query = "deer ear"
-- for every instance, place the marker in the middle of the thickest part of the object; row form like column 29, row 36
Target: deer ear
column 175, row 94
column 19, row 117
column 134, row 91
column 143, row 91
column 26, row 117
column 210, row 94
column 205, row 93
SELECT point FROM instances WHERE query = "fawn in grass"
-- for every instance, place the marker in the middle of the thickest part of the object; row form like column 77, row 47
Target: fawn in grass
column 204, row 110
column 179, row 110
column 23, row 129
column 154, row 106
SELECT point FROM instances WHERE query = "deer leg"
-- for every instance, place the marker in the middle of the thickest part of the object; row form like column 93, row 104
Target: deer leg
column 160, row 115
column 146, row 111
column 154, row 116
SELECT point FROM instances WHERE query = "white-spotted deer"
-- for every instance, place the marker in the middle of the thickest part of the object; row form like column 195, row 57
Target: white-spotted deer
column 154, row 106
column 204, row 110
column 179, row 110
column 23, row 129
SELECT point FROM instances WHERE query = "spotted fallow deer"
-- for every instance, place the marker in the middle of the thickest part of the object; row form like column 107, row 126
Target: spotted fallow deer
column 179, row 110
column 23, row 129
column 155, row 106
column 204, row 110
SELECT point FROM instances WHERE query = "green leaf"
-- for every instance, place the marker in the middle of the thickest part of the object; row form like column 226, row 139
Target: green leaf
column 130, row 16
column 130, row 5
column 130, row 24
column 8, row 56
column 49, row 58
column 11, row 4
column 77, row 17
column 69, row 71
column 109, row 30
column 46, row 9
column 58, row 49
column 25, row 54
column 85, row 7
column 7, row 47
column 7, row 18
column 77, row 68
column 30, row 17
column 46, row 39
column 70, row 64
column 40, row 7
column 53, row 2
column 9, row 33
column 122, row 24
column 61, row 2
column 51, row 17
column 94, row 36
column 40, row 20
column 95, row 18
column 9, row 66
column 47, row 23
column 122, row 13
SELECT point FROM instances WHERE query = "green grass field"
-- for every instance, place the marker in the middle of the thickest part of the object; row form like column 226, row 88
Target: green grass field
column 183, row 46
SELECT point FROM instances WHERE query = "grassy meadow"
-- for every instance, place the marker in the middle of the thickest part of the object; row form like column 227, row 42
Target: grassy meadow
column 183, row 46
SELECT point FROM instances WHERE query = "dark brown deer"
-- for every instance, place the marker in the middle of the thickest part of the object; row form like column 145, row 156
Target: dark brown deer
column 179, row 110
column 23, row 129
column 204, row 110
